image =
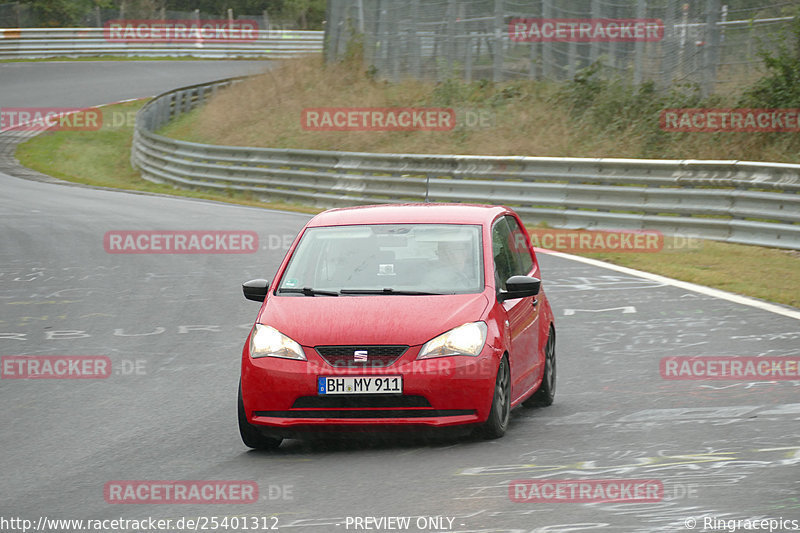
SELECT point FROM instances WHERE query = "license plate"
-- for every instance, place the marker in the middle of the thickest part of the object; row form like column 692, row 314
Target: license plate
column 360, row 385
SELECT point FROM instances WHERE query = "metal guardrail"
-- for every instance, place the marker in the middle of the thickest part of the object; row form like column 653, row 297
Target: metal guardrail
column 37, row 43
column 733, row 201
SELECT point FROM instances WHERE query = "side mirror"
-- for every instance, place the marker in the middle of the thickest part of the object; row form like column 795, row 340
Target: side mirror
column 519, row 287
column 255, row 289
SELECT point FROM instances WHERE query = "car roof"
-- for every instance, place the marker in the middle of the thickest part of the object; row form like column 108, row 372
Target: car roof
column 438, row 213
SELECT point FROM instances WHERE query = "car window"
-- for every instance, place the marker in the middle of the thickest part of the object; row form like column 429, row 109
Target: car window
column 504, row 262
column 438, row 258
column 512, row 256
column 519, row 248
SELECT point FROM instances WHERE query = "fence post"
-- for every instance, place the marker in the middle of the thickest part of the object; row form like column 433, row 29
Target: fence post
column 393, row 41
column 669, row 48
column 534, row 58
column 711, row 49
column 594, row 47
column 449, row 48
column 547, row 47
column 638, row 60
column 499, row 28
column 572, row 58
column 381, row 45
column 360, row 5
column 329, row 45
column 416, row 41
column 468, row 58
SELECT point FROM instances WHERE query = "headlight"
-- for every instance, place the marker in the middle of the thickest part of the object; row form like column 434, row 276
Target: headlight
column 267, row 341
column 467, row 339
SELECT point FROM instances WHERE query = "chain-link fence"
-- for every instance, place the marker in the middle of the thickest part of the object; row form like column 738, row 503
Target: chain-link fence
column 708, row 42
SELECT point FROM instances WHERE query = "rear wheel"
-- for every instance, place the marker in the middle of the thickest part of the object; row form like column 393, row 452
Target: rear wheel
column 251, row 435
column 547, row 390
column 497, row 423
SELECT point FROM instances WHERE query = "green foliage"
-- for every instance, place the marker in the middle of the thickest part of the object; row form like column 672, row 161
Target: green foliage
column 448, row 92
column 60, row 13
column 301, row 14
column 780, row 87
column 614, row 105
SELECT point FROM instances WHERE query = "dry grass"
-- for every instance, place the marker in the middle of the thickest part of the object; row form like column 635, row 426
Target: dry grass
column 265, row 111
column 530, row 119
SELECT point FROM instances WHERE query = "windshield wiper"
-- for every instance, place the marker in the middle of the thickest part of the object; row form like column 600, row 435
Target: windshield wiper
column 388, row 291
column 308, row 291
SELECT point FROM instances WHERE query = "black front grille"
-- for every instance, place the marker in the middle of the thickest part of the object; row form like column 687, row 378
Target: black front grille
column 363, row 401
column 359, row 356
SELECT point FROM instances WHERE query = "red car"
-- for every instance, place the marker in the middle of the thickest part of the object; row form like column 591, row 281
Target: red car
column 398, row 316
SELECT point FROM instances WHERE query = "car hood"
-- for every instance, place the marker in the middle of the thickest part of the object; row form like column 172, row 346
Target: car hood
column 342, row 320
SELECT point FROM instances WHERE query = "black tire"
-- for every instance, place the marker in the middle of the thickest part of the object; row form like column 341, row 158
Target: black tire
column 497, row 423
column 547, row 390
column 251, row 435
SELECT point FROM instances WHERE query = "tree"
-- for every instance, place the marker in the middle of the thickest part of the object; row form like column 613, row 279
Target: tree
column 60, row 13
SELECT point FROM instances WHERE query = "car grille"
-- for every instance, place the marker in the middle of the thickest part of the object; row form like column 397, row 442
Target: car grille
column 346, row 356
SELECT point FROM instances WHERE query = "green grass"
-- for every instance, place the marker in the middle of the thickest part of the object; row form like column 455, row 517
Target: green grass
column 766, row 273
column 102, row 158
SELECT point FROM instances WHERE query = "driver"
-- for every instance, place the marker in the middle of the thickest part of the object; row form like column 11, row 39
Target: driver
column 453, row 269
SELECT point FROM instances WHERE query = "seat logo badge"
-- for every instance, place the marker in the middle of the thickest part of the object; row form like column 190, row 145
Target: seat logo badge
column 360, row 355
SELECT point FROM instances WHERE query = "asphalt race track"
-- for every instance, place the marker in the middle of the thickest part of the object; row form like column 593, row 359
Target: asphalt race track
column 172, row 326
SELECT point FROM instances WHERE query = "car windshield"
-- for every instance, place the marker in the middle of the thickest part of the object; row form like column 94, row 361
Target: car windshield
column 386, row 259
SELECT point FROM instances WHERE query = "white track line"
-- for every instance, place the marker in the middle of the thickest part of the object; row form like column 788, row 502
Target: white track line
column 708, row 291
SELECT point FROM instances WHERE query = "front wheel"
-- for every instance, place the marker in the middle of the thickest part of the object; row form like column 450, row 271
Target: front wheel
column 547, row 390
column 251, row 435
column 497, row 423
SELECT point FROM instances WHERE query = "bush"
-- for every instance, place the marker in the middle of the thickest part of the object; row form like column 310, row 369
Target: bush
column 780, row 87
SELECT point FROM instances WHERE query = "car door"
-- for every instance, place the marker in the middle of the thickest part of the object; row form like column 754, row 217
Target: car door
column 512, row 257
